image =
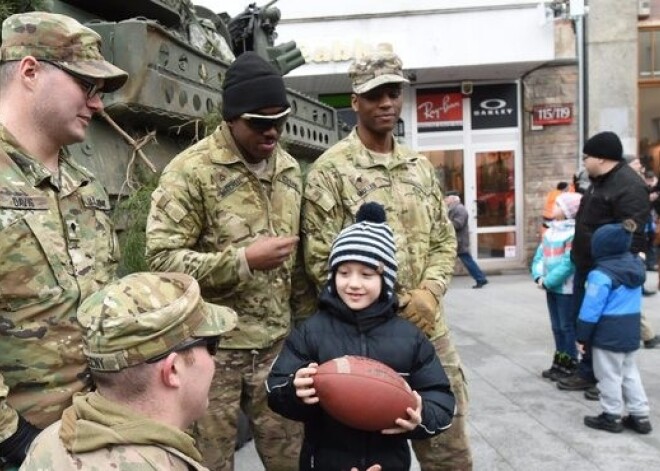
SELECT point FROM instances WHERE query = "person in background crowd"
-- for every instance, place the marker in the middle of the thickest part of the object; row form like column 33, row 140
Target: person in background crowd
column 552, row 270
column 616, row 193
column 609, row 324
column 57, row 240
column 227, row 211
column 649, row 337
column 370, row 165
column 651, row 226
column 150, row 342
column 549, row 206
column 458, row 216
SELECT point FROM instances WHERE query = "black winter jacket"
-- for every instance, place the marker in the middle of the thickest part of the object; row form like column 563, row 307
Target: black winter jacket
column 375, row 332
column 618, row 195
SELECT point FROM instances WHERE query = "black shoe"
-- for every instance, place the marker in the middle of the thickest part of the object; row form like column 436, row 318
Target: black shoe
column 551, row 373
column 608, row 422
column 592, row 394
column 652, row 343
column 480, row 284
column 575, row 383
column 638, row 423
column 646, row 292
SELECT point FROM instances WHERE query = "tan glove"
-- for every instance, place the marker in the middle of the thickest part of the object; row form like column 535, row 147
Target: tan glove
column 419, row 307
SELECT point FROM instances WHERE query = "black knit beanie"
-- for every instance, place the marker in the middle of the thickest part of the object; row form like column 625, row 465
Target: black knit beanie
column 251, row 84
column 604, row 145
column 369, row 241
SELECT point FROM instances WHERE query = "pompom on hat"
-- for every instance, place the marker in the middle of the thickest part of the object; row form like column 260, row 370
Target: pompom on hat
column 569, row 204
column 369, row 241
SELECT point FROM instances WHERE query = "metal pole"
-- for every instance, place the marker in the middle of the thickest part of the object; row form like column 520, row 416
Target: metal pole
column 577, row 12
column 579, row 32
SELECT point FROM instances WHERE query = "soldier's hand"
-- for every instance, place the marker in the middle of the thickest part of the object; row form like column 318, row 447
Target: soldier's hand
column 270, row 252
column 419, row 307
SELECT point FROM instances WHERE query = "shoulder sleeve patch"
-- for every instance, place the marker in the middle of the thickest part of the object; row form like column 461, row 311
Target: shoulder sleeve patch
column 164, row 201
column 320, row 197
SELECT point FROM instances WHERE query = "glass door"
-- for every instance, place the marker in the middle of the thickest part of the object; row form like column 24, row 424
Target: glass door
column 494, row 203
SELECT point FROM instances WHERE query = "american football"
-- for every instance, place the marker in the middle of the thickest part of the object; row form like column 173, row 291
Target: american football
column 362, row 393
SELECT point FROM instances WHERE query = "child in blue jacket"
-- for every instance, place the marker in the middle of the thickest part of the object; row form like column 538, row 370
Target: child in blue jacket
column 609, row 322
column 552, row 270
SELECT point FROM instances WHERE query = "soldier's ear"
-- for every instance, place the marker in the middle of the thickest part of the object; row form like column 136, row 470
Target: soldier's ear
column 354, row 102
column 29, row 70
column 169, row 373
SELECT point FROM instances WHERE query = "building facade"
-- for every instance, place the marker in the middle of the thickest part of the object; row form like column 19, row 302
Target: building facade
column 492, row 101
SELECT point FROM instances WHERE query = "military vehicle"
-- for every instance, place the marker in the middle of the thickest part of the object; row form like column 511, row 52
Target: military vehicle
column 177, row 55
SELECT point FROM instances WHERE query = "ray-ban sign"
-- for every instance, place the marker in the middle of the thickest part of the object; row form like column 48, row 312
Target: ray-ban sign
column 547, row 115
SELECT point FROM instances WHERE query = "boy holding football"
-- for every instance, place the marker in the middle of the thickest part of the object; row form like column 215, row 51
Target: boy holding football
column 357, row 316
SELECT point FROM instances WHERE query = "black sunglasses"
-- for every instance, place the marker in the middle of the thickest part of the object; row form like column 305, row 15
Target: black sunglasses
column 211, row 344
column 89, row 86
column 263, row 123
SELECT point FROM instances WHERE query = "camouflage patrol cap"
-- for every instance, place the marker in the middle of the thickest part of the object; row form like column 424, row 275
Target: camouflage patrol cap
column 60, row 39
column 372, row 71
column 143, row 315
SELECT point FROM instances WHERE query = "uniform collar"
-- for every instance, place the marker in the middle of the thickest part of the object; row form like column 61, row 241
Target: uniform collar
column 226, row 152
column 363, row 158
column 36, row 172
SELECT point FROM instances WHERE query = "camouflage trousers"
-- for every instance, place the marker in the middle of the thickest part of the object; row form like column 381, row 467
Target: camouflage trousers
column 647, row 332
column 240, row 383
column 449, row 451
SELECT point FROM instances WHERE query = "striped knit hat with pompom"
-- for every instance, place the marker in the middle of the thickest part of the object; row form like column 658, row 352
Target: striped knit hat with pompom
column 369, row 241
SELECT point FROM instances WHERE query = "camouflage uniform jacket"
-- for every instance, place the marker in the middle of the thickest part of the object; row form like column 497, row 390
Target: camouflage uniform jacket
column 51, row 455
column 208, row 206
column 346, row 176
column 97, row 434
column 57, row 246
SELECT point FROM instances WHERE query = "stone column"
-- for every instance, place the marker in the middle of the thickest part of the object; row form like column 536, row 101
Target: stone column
column 611, row 70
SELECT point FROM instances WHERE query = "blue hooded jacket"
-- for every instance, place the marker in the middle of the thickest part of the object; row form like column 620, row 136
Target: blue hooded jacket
column 610, row 313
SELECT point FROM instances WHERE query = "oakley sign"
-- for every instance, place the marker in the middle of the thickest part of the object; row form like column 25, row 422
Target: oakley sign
column 494, row 106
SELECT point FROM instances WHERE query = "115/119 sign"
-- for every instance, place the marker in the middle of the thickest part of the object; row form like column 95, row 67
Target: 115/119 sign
column 544, row 115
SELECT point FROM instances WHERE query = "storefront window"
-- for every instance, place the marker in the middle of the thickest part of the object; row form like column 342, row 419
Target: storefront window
column 448, row 169
column 649, row 54
column 497, row 245
column 495, row 189
column 496, row 211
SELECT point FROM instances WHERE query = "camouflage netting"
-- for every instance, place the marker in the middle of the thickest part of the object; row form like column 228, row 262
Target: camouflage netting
column 10, row 7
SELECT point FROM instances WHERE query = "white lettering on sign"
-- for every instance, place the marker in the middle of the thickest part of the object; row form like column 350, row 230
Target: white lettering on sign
column 432, row 113
column 552, row 114
column 493, row 107
column 340, row 51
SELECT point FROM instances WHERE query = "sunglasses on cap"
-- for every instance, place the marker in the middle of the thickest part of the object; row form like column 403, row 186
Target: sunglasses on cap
column 264, row 122
column 88, row 85
column 211, row 344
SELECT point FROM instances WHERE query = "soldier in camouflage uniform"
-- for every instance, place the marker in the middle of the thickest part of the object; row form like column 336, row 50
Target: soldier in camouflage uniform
column 369, row 165
column 227, row 212
column 150, row 341
column 57, row 243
